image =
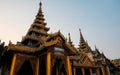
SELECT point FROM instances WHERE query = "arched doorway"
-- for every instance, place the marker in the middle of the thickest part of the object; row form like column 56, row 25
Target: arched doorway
column 26, row 69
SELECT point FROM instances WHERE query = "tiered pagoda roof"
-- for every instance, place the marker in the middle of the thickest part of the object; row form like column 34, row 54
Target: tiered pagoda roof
column 37, row 32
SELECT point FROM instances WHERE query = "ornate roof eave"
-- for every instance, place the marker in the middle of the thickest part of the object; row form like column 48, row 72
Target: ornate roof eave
column 50, row 43
column 71, row 48
column 41, row 26
column 56, row 34
column 25, row 49
column 21, row 48
column 53, row 42
column 33, row 38
column 38, row 31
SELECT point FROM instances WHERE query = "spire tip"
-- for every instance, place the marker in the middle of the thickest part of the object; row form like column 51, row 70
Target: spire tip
column 40, row 3
column 80, row 29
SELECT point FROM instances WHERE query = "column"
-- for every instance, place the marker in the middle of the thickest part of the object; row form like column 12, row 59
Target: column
column 97, row 71
column 37, row 66
column 74, row 70
column 83, row 71
column 103, row 71
column 13, row 65
column 90, row 69
column 69, row 70
column 108, row 71
column 48, row 64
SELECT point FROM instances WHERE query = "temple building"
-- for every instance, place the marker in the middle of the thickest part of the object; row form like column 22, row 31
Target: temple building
column 42, row 53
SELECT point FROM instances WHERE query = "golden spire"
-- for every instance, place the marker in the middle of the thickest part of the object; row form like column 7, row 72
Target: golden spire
column 82, row 42
column 40, row 9
column 81, row 37
column 83, row 45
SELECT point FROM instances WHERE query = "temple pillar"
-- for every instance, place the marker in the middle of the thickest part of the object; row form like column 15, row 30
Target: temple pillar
column 13, row 65
column 103, row 71
column 74, row 70
column 37, row 66
column 83, row 71
column 90, row 69
column 97, row 71
column 69, row 70
column 107, row 70
column 48, row 64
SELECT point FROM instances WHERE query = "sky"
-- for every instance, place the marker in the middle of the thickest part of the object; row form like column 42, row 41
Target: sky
column 99, row 21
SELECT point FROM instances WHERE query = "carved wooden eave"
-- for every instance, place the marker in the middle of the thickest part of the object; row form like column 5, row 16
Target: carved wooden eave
column 56, row 34
column 50, row 43
column 38, row 31
column 33, row 38
column 71, row 48
column 21, row 48
column 41, row 26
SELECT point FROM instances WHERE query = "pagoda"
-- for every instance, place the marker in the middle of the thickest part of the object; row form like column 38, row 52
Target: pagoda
column 42, row 53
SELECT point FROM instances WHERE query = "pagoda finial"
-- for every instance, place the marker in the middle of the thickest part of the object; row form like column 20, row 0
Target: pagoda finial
column 79, row 29
column 69, row 38
column 40, row 4
column 81, row 36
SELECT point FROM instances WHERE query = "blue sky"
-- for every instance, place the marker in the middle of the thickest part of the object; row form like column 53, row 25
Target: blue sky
column 99, row 21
